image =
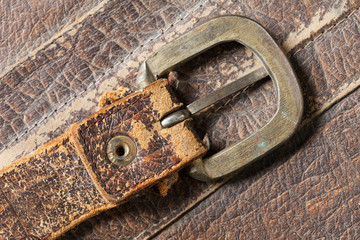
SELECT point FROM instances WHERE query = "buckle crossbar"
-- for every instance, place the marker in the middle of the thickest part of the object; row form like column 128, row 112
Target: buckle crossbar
column 289, row 97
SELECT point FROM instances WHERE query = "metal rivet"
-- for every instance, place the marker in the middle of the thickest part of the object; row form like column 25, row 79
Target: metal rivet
column 121, row 150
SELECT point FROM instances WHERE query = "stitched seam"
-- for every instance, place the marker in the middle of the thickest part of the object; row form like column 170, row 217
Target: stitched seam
column 327, row 30
column 37, row 50
column 296, row 52
column 131, row 53
column 101, row 76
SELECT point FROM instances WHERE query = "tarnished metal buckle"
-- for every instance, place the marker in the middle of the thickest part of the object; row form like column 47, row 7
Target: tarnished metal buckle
column 289, row 98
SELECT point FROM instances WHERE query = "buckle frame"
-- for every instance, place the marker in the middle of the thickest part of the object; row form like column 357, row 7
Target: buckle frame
column 289, row 96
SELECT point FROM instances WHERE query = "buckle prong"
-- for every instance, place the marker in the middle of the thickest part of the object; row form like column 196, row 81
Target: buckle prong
column 256, row 38
column 208, row 100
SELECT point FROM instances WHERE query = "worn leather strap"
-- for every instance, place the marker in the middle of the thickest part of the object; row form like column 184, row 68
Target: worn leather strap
column 306, row 192
column 71, row 178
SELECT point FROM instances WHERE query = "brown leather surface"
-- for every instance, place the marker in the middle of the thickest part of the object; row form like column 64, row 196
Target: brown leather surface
column 47, row 83
column 46, row 191
column 294, row 193
column 310, row 187
column 27, row 25
column 36, row 87
column 71, row 179
column 160, row 151
column 227, row 130
column 309, row 31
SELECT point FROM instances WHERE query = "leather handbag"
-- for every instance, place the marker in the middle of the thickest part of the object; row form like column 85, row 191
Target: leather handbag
column 58, row 62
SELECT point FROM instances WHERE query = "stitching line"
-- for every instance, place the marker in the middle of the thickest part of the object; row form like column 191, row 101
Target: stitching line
column 47, row 43
column 296, row 52
column 327, row 30
column 101, row 76
column 140, row 47
column 240, row 92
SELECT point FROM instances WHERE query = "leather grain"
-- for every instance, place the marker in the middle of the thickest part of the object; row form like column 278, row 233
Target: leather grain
column 160, row 151
column 71, row 178
column 28, row 25
column 45, row 192
column 58, row 72
column 55, row 83
column 321, row 38
column 209, row 67
column 310, row 188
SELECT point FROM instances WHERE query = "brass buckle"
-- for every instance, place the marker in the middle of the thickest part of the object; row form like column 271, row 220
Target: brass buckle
column 289, row 97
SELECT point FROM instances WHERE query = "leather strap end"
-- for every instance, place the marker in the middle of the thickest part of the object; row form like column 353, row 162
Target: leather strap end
column 71, row 179
column 160, row 151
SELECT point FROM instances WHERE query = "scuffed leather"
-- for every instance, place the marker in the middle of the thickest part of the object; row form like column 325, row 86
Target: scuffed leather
column 160, row 151
column 63, row 69
column 224, row 130
column 310, row 188
column 284, row 20
column 28, row 25
column 71, row 179
column 46, row 191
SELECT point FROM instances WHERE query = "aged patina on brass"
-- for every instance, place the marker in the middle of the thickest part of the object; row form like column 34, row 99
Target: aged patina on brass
column 121, row 150
column 289, row 98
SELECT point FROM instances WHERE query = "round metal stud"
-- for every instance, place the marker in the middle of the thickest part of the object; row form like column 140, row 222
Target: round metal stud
column 121, row 150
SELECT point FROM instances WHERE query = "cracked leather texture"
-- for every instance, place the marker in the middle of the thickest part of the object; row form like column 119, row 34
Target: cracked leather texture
column 71, row 178
column 268, row 201
column 27, row 24
column 321, row 39
column 45, row 192
column 74, row 61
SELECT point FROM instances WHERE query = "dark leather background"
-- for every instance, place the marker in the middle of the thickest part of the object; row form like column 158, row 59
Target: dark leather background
column 58, row 59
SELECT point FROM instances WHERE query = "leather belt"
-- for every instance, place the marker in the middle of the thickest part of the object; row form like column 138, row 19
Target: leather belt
column 71, row 179
column 142, row 138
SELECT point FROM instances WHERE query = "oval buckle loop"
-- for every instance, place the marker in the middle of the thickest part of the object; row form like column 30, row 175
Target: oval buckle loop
column 276, row 65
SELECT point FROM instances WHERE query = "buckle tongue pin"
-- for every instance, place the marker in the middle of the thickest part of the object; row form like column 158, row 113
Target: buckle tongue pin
column 213, row 97
column 289, row 98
